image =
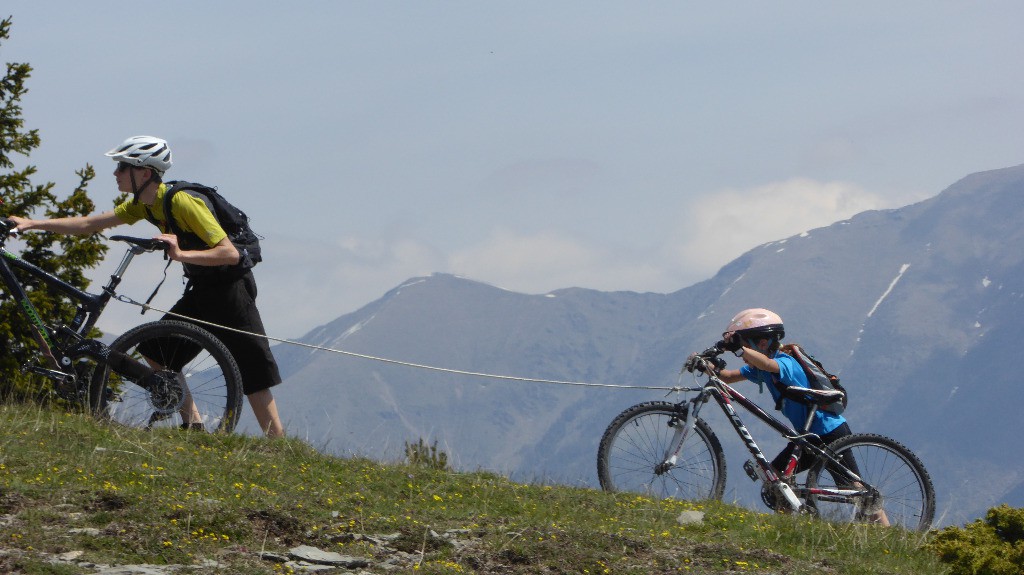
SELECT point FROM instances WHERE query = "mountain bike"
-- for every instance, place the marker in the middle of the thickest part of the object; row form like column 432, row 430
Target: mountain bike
column 158, row 374
column 665, row 450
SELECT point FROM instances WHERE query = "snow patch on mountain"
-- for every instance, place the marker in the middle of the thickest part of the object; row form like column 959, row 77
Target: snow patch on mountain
column 892, row 285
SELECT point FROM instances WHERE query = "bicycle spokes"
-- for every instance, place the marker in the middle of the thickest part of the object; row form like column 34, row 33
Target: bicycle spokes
column 196, row 380
column 894, row 489
column 644, row 451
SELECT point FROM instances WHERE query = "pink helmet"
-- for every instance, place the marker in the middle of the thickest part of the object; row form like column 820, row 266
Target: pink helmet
column 754, row 322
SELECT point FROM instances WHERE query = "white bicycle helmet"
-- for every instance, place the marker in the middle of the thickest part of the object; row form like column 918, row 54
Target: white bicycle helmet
column 143, row 152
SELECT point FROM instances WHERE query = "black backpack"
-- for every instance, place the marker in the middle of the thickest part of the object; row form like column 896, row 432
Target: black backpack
column 817, row 377
column 233, row 220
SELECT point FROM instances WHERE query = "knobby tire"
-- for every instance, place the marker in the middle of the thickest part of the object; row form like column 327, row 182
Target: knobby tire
column 211, row 378
column 908, row 497
column 636, row 442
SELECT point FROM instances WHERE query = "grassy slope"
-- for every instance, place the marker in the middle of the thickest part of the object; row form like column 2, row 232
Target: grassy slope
column 180, row 498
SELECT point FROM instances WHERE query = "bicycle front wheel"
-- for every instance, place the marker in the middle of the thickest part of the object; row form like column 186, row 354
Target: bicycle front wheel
column 907, row 498
column 197, row 380
column 636, row 444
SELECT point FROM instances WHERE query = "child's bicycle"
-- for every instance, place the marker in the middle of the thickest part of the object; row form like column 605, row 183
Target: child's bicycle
column 159, row 374
column 666, row 450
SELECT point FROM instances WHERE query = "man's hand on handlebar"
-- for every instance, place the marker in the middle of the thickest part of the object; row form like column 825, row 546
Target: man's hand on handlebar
column 8, row 227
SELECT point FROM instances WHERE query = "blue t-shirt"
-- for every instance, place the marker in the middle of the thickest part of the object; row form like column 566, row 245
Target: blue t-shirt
column 790, row 373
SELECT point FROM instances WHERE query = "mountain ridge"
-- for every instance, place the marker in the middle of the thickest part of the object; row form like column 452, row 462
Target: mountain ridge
column 912, row 306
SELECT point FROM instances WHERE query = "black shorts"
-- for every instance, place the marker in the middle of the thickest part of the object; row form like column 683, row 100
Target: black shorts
column 230, row 303
column 808, row 459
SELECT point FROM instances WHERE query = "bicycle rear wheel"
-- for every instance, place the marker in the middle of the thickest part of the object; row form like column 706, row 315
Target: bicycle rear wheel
column 636, row 442
column 907, row 496
column 198, row 377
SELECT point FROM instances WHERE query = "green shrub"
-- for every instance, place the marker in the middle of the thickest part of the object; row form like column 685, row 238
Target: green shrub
column 1008, row 523
column 990, row 546
column 421, row 454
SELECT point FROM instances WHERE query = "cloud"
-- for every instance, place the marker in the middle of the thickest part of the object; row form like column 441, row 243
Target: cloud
column 543, row 178
column 714, row 230
column 545, row 261
column 304, row 283
column 725, row 224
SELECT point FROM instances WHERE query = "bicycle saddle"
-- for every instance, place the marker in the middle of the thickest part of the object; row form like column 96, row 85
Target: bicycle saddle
column 817, row 397
column 148, row 244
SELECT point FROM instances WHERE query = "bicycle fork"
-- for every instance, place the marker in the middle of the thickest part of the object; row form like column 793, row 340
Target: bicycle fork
column 682, row 426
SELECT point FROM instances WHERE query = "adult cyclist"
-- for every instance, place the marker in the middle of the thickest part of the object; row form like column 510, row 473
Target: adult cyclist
column 228, row 300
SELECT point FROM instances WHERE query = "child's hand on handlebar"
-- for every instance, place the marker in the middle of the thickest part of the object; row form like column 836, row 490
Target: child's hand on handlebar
column 691, row 363
column 732, row 343
column 699, row 362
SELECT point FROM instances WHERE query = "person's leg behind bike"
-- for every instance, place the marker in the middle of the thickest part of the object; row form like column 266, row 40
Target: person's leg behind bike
column 850, row 462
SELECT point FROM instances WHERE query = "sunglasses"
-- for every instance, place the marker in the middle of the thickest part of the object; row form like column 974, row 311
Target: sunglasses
column 124, row 166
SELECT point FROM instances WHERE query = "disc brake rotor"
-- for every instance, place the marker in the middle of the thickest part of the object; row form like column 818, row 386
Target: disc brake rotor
column 166, row 391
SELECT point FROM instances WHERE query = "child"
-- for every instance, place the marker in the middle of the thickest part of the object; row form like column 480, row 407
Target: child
column 754, row 336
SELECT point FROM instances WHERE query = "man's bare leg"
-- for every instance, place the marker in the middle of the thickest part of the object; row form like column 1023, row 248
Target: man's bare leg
column 265, row 409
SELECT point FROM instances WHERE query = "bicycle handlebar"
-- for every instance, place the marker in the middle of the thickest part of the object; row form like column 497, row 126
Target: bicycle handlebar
column 6, row 229
column 713, row 351
column 704, row 360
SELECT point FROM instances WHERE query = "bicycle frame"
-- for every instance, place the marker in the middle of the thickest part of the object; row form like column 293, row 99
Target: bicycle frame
column 725, row 395
column 64, row 344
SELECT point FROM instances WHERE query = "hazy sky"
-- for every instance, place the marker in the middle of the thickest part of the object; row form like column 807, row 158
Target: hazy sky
column 531, row 145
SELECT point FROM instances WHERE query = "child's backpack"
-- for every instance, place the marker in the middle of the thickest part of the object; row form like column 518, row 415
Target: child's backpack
column 233, row 220
column 817, row 376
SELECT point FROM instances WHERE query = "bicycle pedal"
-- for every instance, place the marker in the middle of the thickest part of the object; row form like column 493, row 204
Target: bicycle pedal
column 751, row 470
column 808, row 508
